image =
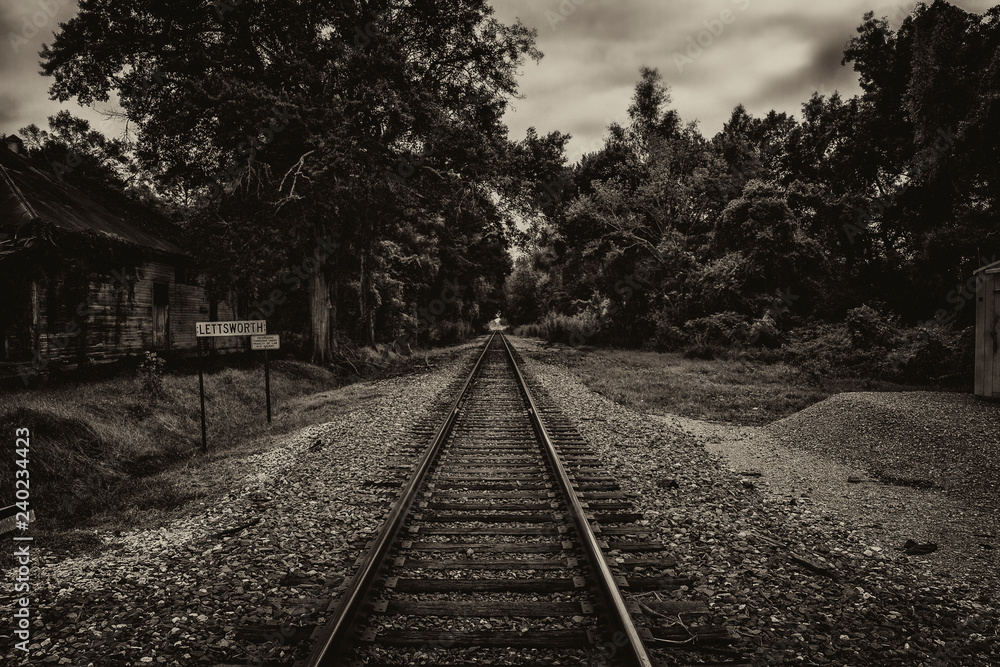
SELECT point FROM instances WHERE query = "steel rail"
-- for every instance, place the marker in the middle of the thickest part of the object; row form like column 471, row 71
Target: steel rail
column 337, row 630
column 621, row 618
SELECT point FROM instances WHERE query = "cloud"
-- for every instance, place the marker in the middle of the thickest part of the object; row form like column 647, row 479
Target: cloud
column 773, row 55
column 9, row 108
column 9, row 25
column 822, row 73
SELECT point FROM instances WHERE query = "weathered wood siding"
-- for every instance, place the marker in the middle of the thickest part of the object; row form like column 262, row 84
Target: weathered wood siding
column 113, row 316
column 16, row 323
column 988, row 334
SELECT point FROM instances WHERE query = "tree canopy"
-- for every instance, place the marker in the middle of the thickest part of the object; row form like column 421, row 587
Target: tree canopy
column 356, row 150
column 887, row 198
column 280, row 127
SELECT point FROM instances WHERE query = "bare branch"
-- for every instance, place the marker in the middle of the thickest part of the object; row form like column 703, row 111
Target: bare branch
column 297, row 169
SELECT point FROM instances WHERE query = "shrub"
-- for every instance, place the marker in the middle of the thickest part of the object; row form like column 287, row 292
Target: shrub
column 450, row 333
column 669, row 338
column 151, row 375
column 295, row 344
column 533, row 330
column 582, row 328
column 763, row 333
column 868, row 328
column 823, row 350
column 934, row 355
column 717, row 330
column 701, row 351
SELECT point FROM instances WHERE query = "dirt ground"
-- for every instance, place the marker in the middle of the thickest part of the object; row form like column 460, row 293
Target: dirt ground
column 885, row 514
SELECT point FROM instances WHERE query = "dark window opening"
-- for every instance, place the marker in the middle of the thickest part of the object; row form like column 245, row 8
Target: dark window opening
column 161, row 315
column 186, row 276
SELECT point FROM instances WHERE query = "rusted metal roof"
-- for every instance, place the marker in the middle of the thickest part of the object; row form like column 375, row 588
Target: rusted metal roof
column 29, row 195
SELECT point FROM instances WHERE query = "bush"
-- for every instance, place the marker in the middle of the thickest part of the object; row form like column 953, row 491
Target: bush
column 582, row 328
column 934, row 355
column 717, row 330
column 450, row 333
column 151, row 375
column 702, row 351
column 868, row 328
column 296, row 344
column 822, row 351
column 667, row 336
column 764, row 333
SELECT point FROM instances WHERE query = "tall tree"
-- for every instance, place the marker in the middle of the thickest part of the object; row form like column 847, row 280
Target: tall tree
column 341, row 119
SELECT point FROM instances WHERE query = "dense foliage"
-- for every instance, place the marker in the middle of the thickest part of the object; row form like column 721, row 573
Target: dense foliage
column 342, row 166
column 874, row 211
column 345, row 169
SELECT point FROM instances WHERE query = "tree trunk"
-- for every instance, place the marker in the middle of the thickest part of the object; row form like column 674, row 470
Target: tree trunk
column 334, row 296
column 319, row 316
column 367, row 305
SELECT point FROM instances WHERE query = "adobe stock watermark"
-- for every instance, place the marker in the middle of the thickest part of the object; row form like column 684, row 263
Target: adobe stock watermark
column 704, row 39
column 22, row 541
column 293, row 278
column 33, row 23
column 566, row 9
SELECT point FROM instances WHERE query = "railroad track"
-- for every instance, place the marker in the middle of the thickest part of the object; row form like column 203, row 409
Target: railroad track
column 509, row 544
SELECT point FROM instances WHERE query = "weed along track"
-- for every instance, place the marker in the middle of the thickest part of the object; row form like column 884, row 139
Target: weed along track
column 508, row 544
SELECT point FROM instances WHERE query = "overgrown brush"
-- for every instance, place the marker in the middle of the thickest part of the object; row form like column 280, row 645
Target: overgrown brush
column 584, row 328
column 97, row 448
column 867, row 345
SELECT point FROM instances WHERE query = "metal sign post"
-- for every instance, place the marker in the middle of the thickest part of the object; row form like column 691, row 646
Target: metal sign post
column 201, row 390
column 267, row 386
column 218, row 330
column 266, row 343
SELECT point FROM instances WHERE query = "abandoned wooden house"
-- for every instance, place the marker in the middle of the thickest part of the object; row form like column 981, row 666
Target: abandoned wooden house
column 988, row 331
column 83, row 281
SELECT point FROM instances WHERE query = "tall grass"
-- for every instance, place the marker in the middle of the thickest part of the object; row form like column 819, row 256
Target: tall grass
column 98, row 447
column 580, row 329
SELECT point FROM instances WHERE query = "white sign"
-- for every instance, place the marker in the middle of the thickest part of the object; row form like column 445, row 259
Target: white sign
column 271, row 342
column 238, row 328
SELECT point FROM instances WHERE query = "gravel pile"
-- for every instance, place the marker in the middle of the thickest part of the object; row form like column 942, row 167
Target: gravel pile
column 919, row 439
column 795, row 580
column 178, row 595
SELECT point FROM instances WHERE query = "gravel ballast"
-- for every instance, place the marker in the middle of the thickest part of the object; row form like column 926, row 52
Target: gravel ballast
column 802, row 564
column 180, row 594
column 794, row 576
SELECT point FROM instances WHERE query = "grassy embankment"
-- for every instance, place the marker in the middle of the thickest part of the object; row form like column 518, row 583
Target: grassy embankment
column 744, row 391
column 109, row 454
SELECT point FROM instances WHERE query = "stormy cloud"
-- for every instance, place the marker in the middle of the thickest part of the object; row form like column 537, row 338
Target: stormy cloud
column 714, row 55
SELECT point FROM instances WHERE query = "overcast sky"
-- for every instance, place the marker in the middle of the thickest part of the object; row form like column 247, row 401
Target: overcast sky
column 714, row 54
